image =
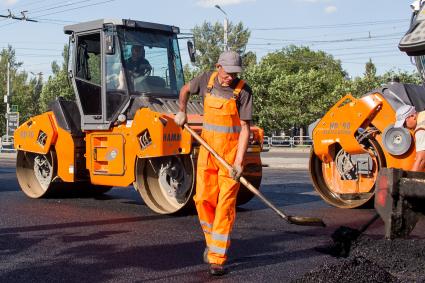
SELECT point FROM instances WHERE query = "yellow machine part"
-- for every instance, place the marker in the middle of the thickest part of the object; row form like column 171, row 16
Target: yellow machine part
column 341, row 122
column 37, row 134
column 335, row 137
column 111, row 155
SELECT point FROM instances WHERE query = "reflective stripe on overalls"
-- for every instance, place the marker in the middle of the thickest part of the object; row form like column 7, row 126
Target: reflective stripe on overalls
column 216, row 191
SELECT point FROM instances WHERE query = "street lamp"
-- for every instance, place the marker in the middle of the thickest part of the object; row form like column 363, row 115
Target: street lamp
column 226, row 24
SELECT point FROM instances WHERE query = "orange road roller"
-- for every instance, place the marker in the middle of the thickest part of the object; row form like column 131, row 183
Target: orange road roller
column 356, row 138
column 120, row 130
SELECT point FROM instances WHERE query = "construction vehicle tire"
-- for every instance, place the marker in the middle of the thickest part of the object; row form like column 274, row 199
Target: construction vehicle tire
column 341, row 191
column 166, row 184
column 245, row 195
column 35, row 173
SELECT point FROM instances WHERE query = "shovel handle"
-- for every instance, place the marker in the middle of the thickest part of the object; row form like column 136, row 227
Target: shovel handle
column 208, row 147
column 299, row 220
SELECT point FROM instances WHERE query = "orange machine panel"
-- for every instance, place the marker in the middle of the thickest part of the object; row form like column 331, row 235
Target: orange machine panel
column 150, row 134
column 65, row 151
column 341, row 122
column 108, row 154
column 384, row 118
column 158, row 135
column 37, row 134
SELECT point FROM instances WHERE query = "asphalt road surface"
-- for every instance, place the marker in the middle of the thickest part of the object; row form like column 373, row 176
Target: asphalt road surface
column 116, row 238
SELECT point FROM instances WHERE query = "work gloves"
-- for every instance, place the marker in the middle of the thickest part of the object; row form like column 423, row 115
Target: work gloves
column 180, row 118
column 235, row 172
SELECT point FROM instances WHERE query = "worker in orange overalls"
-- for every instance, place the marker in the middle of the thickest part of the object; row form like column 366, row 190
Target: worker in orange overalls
column 227, row 116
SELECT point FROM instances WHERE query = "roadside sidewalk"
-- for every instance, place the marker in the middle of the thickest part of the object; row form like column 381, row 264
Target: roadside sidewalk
column 4, row 155
column 286, row 162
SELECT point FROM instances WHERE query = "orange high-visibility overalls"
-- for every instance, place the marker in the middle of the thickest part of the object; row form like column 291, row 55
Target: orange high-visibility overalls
column 216, row 191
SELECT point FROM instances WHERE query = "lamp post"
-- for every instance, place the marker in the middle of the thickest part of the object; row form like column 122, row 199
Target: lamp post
column 226, row 24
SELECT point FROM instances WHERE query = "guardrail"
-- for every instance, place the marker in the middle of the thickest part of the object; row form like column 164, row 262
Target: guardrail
column 286, row 141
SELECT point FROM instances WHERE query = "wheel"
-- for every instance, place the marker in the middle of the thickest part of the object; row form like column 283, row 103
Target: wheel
column 245, row 195
column 342, row 183
column 166, row 184
column 35, row 173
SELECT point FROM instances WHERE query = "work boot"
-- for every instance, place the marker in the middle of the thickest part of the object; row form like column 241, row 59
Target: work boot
column 217, row 269
column 205, row 255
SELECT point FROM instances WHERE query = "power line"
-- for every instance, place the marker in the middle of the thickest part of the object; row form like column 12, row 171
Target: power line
column 71, row 9
column 355, row 24
column 66, row 10
column 23, row 16
column 49, row 7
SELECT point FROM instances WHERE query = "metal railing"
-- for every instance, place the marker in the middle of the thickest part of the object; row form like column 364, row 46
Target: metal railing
column 295, row 141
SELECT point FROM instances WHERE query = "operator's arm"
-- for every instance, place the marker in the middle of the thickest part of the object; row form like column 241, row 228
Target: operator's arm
column 419, row 164
column 191, row 87
column 243, row 143
column 184, row 97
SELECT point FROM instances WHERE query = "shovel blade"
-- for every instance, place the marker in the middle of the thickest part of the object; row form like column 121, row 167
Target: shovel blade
column 306, row 221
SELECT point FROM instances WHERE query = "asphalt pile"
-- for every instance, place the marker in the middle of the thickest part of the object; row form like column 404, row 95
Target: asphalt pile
column 371, row 260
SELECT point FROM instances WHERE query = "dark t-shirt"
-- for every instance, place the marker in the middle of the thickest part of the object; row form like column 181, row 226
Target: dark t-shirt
column 199, row 86
column 139, row 67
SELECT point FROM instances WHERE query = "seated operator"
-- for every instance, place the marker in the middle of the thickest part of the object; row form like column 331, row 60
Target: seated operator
column 137, row 65
column 406, row 116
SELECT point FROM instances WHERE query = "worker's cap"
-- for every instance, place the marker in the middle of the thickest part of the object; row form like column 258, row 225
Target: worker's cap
column 402, row 114
column 230, row 61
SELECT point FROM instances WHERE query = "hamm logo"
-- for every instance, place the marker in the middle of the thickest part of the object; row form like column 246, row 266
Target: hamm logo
column 172, row 137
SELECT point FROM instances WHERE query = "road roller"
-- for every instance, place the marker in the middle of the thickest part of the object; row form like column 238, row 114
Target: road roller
column 119, row 130
column 356, row 138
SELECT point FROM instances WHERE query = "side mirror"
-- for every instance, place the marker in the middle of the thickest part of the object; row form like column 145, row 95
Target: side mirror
column 109, row 44
column 191, row 51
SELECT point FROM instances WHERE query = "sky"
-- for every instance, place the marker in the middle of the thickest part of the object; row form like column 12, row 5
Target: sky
column 351, row 31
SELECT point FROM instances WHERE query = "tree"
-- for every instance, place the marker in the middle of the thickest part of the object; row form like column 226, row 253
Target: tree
column 18, row 87
column 367, row 83
column 209, row 40
column 402, row 77
column 294, row 86
column 57, row 84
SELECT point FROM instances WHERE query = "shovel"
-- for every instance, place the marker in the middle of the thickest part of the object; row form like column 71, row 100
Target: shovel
column 298, row 220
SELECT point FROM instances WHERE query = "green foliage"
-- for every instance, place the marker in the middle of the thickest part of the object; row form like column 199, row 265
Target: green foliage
column 294, row 86
column 57, row 84
column 209, row 40
column 20, row 91
column 402, row 76
column 189, row 73
column 370, row 81
column 94, row 67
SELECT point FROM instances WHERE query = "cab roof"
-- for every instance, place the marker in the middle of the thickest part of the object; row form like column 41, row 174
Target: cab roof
column 99, row 24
